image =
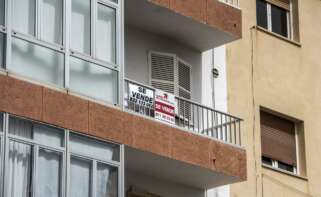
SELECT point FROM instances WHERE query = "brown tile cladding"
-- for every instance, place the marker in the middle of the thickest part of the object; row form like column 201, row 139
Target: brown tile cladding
column 67, row 111
column 210, row 12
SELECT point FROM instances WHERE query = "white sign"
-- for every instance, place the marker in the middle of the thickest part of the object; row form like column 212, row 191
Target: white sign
column 165, row 106
column 141, row 96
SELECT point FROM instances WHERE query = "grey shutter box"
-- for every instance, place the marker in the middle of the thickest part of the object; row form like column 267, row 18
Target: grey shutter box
column 285, row 4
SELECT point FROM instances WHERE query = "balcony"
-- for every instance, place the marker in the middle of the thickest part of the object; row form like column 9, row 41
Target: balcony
column 189, row 116
column 217, row 21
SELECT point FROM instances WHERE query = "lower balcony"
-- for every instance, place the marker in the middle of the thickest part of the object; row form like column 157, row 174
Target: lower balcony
column 182, row 113
column 199, row 145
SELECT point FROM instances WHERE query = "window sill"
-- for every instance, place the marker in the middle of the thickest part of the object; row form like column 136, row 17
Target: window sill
column 284, row 172
column 278, row 36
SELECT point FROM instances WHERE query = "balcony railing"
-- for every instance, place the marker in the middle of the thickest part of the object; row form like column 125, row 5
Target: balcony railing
column 190, row 116
column 234, row 3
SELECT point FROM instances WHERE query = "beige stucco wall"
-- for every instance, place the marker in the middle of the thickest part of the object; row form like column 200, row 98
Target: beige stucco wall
column 266, row 71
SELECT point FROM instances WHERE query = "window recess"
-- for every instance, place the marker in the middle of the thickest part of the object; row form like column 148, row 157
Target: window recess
column 279, row 143
column 276, row 16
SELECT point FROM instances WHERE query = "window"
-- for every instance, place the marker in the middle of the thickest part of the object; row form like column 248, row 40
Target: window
column 1, row 151
column 172, row 74
column 101, row 82
column 91, row 175
column 38, row 155
column 2, row 33
column 73, row 47
column 2, row 12
column 37, row 50
column 35, row 159
column 274, row 15
column 279, row 142
column 93, row 36
column 2, row 49
column 96, row 36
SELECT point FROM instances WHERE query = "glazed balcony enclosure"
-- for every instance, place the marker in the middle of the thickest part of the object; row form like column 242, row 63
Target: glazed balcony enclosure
column 76, row 65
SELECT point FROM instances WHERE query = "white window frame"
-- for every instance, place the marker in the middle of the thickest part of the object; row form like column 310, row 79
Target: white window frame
column 94, row 160
column 288, row 16
column 66, row 154
column 65, row 48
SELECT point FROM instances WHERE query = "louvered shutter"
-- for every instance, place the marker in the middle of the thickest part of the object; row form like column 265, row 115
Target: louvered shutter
column 184, row 87
column 162, row 67
column 285, row 4
column 278, row 138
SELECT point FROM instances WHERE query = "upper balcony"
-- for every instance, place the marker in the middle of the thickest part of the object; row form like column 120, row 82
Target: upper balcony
column 200, row 24
column 74, row 78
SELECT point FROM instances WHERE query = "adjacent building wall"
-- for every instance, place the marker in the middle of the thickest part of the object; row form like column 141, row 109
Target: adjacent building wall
column 266, row 71
column 137, row 45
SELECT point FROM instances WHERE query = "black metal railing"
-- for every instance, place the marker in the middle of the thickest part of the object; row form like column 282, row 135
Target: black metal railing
column 189, row 115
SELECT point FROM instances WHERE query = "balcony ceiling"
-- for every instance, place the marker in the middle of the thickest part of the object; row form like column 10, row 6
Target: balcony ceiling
column 174, row 171
column 165, row 22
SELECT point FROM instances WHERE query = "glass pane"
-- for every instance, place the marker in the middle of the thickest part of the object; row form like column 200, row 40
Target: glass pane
column 286, row 167
column 37, row 62
column 2, row 49
column 80, row 178
column 107, row 181
column 48, row 136
column 94, row 148
column 20, row 127
column 42, row 134
column 1, row 122
column 80, row 26
column 106, row 34
column 52, row 17
column 20, row 170
column 49, row 174
column 279, row 21
column 23, row 16
column 261, row 13
column 2, row 12
column 93, row 80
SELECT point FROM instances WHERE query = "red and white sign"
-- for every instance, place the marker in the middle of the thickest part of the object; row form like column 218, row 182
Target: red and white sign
column 165, row 106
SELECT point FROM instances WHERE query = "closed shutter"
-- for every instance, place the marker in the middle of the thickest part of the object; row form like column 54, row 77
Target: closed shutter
column 278, row 138
column 162, row 67
column 184, row 87
column 285, row 4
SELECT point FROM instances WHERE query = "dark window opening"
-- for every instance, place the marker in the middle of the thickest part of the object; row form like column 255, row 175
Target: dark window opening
column 279, row 20
column 267, row 161
column 285, row 166
column 261, row 13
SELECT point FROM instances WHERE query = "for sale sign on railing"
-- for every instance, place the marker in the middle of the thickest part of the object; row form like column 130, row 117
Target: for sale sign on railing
column 165, row 106
column 141, row 96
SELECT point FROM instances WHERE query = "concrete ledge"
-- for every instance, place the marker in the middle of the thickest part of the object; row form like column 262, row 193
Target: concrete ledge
column 211, row 12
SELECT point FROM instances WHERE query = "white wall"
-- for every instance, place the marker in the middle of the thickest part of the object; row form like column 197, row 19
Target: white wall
column 220, row 92
column 137, row 45
column 160, row 187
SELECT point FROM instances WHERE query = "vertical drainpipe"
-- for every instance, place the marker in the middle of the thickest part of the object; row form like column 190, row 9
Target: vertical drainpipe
column 213, row 79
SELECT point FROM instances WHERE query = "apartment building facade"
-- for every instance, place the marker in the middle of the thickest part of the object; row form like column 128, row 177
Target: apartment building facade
column 274, row 84
column 116, row 98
